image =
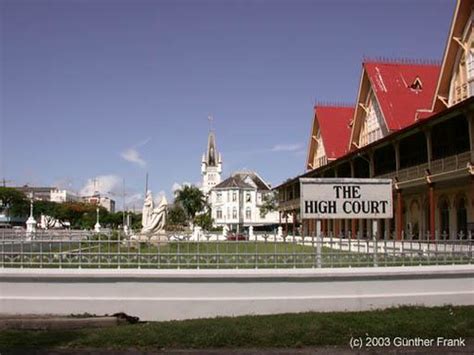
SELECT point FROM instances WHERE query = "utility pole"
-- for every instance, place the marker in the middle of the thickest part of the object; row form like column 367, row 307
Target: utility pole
column 123, row 203
column 146, row 184
column 4, row 182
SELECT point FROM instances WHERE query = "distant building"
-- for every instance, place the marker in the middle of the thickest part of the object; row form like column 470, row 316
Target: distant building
column 39, row 193
column 103, row 201
column 236, row 201
column 63, row 196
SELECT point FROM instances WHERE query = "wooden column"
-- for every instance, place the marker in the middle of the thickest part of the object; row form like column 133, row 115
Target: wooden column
column 432, row 211
column 428, row 147
column 337, row 227
column 399, row 225
column 396, row 146
column 354, row 228
column 470, row 121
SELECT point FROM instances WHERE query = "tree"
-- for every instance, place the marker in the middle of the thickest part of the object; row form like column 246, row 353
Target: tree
column 204, row 220
column 13, row 202
column 46, row 208
column 80, row 215
column 192, row 200
column 269, row 204
column 176, row 215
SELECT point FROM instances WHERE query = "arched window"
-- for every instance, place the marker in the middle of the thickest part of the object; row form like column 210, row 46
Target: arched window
column 248, row 213
column 444, row 218
column 415, row 220
column 461, row 216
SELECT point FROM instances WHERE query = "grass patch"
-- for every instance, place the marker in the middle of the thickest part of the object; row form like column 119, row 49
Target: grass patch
column 280, row 331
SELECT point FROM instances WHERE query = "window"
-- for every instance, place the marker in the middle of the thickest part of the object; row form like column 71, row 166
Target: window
column 219, row 197
column 320, row 156
column 416, row 85
column 470, row 65
column 234, row 196
column 248, row 197
column 234, row 213
column 372, row 126
column 248, row 213
column 219, row 213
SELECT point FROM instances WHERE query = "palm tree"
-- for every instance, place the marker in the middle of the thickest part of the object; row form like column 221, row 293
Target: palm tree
column 192, row 200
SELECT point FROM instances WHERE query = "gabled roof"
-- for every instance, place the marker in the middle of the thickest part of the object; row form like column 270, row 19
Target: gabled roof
column 239, row 180
column 396, row 88
column 398, row 101
column 233, row 182
column 462, row 14
column 334, row 127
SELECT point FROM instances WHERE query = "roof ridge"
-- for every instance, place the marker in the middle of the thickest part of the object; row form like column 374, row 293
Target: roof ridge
column 336, row 104
column 401, row 60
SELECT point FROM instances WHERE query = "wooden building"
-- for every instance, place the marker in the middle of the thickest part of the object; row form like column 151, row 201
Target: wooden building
column 413, row 122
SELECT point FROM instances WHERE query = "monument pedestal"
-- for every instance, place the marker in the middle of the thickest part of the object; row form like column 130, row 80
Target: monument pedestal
column 156, row 238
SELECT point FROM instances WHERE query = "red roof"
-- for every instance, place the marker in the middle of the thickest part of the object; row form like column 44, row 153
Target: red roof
column 334, row 127
column 398, row 101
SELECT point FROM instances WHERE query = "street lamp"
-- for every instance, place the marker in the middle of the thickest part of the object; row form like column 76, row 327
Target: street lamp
column 97, row 225
column 31, row 222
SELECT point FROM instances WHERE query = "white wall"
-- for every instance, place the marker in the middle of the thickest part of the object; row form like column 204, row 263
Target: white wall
column 183, row 294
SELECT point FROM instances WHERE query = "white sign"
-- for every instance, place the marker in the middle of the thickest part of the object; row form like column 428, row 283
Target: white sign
column 328, row 198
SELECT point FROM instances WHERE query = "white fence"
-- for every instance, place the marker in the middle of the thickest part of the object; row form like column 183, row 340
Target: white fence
column 184, row 294
column 210, row 251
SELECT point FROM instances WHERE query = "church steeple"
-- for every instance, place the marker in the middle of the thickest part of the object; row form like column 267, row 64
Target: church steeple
column 211, row 154
column 211, row 164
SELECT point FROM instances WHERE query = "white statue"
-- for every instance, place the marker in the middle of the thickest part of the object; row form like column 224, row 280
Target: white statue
column 153, row 219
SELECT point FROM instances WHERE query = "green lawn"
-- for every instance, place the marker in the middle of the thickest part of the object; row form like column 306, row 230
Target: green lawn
column 273, row 331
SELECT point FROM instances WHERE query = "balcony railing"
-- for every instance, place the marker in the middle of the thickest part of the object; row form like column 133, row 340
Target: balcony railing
column 438, row 166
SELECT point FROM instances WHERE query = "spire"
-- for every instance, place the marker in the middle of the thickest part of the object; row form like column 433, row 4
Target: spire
column 211, row 154
column 212, row 157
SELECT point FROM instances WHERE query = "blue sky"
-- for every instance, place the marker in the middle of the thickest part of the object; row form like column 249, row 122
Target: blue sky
column 85, row 83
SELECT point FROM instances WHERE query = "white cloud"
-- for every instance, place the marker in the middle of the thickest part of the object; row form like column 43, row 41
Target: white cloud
column 105, row 184
column 177, row 186
column 286, row 147
column 133, row 156
column 134, row 201
column 157, row 197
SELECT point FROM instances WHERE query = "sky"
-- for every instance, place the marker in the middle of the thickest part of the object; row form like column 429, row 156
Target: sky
column 113, row 89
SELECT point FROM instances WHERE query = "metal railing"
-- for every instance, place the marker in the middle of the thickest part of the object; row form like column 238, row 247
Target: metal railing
column 214, row 251
column 451, row 163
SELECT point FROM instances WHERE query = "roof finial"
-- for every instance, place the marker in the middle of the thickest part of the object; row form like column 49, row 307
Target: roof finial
column 210, row 118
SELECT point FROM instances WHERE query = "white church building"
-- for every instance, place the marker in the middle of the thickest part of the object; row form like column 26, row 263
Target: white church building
column 235, row 202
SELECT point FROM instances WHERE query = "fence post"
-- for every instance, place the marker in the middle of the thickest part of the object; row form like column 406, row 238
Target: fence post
column 375, row 246
column 319, row 241
column 470, row 247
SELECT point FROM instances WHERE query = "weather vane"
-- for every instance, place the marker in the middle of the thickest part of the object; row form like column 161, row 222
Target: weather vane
column 210, row 118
